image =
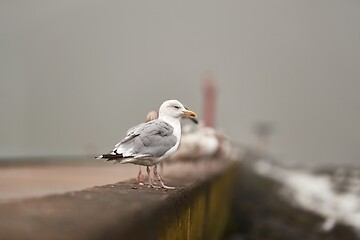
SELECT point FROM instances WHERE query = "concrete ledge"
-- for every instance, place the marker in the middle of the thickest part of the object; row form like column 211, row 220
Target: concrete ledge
column 198, row 209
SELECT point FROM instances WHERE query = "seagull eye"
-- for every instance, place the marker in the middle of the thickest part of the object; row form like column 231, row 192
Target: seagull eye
column 177, row 107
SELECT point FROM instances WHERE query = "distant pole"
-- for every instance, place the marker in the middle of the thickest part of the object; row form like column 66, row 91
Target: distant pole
column 209, row 101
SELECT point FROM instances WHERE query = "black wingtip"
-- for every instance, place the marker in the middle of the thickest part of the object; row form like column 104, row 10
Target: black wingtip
column 110, row 156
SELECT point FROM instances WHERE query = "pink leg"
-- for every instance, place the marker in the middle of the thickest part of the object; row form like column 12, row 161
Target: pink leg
column 140, row 177
column 161, row 182
column 151, row 183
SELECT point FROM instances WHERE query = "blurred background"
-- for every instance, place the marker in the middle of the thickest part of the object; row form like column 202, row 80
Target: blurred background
column 75, row 75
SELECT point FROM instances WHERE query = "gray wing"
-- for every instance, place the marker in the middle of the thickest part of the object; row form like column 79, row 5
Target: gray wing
column 131, row 133
column 154, row 138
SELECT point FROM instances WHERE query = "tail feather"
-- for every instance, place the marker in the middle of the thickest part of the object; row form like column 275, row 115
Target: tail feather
column 110, row 156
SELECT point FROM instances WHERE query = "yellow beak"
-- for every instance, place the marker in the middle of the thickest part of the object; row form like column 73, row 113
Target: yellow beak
column 189, row 113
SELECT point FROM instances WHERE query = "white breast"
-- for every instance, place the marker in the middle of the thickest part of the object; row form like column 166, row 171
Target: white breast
column 175, row 123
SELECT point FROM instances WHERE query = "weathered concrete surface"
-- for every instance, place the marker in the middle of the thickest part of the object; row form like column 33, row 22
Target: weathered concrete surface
column 24, row 180
column 197, row 209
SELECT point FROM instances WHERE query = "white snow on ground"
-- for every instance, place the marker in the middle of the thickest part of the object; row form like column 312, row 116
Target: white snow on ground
column 315, row 192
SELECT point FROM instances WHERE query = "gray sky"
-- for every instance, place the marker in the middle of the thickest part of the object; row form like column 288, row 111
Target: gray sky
column 75, row 75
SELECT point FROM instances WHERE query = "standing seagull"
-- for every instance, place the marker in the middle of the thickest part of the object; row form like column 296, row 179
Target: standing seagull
column 152, row 115
column 150, row 143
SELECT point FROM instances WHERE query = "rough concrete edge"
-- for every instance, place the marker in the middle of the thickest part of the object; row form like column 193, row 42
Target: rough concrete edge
column 176, row 218
column 199, row 212
column 173, row 218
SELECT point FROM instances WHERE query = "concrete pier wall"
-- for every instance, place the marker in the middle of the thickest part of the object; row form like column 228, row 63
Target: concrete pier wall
column 198, row 209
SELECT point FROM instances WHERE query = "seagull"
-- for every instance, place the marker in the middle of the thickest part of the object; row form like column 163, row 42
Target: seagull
column 150, row 143
column 197, row 142
column 152, row 115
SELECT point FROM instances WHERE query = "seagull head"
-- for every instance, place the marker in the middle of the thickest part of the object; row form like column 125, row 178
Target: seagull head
column 174, row 109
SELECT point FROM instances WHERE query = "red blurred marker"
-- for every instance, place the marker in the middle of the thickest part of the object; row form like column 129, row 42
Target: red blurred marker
column 209, row 100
